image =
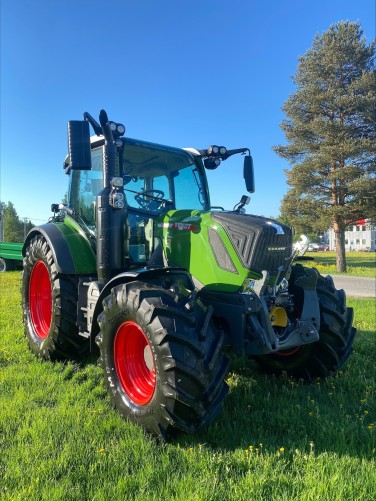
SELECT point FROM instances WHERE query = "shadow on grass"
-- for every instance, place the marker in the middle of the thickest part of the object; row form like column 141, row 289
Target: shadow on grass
column 269, row 412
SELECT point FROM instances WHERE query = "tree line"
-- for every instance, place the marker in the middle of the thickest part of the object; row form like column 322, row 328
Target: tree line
column 13, row 229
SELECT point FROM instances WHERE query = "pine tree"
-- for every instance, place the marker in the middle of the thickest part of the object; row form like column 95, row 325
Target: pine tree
column 15, row 230
column 331, row 135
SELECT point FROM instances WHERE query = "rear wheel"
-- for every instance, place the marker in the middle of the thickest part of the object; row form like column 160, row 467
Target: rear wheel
column 326, row 356
column 49, row 303
column 162, row 362
column 5, row 265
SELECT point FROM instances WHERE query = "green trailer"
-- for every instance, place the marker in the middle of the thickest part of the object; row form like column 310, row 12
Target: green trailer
column 10, row 256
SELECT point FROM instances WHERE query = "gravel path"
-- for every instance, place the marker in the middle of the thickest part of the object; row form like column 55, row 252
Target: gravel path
column 356, row 286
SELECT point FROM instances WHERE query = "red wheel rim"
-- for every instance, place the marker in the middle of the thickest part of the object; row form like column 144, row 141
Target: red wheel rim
column 134, row 363
column 287, row 353
column 40, row 299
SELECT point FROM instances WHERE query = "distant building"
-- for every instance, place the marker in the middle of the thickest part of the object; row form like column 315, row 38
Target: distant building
column 359, row 237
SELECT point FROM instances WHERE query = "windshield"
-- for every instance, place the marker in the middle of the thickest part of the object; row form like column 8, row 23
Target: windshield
column 157, row 179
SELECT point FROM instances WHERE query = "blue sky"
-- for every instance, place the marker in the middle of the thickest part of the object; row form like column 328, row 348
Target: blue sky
column 187, row 74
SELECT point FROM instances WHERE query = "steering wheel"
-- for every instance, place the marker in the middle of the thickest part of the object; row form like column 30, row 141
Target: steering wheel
column 146, row 202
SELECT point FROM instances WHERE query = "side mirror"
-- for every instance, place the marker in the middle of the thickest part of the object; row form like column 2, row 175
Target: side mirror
column 248, row 174
column 79, row 145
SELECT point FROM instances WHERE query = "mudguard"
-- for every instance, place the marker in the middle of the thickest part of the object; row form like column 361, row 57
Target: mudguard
column 161, row 277
column 70, row 247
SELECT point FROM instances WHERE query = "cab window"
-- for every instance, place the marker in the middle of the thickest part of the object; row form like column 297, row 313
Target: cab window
column 84, row 187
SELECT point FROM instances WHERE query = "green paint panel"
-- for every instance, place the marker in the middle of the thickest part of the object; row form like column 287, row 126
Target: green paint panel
column 82, row 253
column 186, row 242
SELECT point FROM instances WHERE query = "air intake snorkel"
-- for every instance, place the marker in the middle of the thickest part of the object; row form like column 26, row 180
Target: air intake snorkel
column 110, row 219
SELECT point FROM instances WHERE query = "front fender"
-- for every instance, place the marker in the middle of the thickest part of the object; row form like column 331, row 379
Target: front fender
column 156, row 276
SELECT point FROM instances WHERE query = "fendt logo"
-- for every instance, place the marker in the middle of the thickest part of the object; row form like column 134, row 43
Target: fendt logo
column 179, row 226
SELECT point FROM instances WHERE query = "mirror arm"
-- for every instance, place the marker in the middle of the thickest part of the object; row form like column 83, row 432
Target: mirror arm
column 229, row 153
column 96, row 127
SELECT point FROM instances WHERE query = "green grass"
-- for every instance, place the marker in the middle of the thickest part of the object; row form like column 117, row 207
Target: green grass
column 359, row 264
column 276, row 439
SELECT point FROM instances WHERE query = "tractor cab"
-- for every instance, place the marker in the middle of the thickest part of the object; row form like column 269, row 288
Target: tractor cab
column 119, row 186
column 154, row 179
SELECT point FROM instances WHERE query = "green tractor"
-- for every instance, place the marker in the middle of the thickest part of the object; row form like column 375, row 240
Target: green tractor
column 140, row 263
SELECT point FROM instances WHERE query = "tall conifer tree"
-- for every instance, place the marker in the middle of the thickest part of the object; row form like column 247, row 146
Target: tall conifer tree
column 330, row 131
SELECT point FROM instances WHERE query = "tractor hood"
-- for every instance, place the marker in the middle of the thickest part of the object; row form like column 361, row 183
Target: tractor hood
column 222, row 249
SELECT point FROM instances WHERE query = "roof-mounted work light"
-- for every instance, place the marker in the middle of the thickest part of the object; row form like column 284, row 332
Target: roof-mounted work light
column 216, row 151
column 212, row 163
column 117, row 129
column 213, row 150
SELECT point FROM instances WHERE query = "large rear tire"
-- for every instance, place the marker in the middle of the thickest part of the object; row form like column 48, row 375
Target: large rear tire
column 49, row 303
column 162, row 362
column 326, row 356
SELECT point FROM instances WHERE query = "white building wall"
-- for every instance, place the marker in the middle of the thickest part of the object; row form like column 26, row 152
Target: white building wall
column 361, row 236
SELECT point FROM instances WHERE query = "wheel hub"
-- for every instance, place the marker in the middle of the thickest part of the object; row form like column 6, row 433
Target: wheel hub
column 40, row 299
column 134, row 363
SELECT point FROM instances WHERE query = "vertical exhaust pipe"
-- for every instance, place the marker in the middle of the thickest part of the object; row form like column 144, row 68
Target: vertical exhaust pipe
column 110, row 221
column 110, row 214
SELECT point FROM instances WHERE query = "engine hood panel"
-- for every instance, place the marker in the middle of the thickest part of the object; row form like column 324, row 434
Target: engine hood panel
column 260, row 243
column 221, row 250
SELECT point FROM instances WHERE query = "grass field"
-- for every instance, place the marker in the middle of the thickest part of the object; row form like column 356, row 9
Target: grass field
column 359, row 264
column 277, row 439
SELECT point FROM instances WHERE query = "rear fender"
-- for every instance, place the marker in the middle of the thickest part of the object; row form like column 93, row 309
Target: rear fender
column 70, row 247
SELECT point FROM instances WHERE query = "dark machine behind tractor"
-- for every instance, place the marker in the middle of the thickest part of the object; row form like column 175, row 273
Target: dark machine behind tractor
column 139, row 262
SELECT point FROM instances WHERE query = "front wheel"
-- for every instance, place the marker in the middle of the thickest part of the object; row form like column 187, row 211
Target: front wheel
column 49, row 304
column 327, row 355
column 162, row 363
